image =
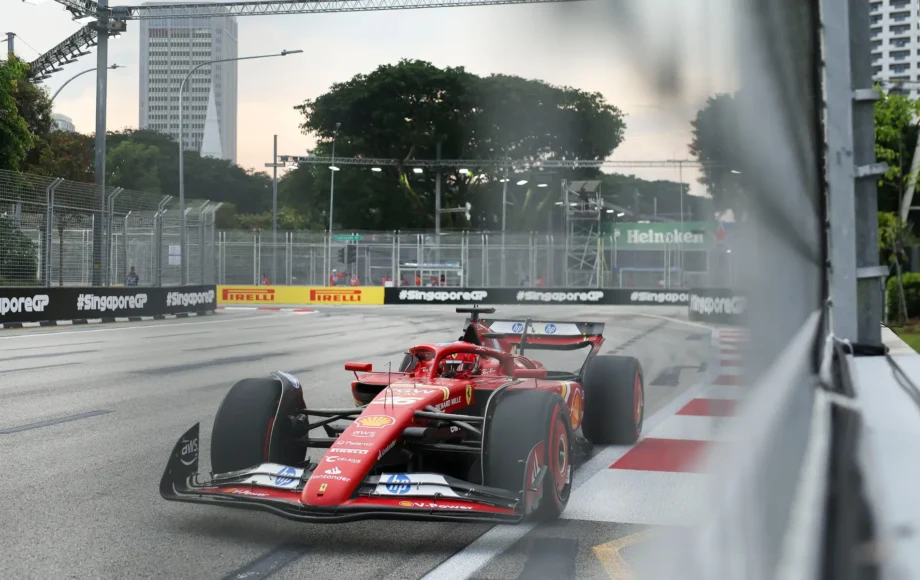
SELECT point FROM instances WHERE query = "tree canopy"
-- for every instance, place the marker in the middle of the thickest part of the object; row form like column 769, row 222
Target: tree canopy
column 895, row 140
column 403, row 111
column 16, row 140
column 714, row 144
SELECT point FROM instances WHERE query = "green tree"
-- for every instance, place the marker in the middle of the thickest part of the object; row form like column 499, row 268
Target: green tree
column 15, row 138
column 895, row 140
column 134, row 166
column 404, row 111
column 715, row 144
column 18, row 256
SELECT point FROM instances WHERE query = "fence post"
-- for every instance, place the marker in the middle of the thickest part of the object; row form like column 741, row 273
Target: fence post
column 49, row 230
column 107, row 240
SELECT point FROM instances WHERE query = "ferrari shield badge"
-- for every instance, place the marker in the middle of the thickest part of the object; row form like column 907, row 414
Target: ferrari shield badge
column 469, row 394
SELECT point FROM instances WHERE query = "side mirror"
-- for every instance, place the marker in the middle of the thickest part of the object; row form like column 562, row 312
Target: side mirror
column 358, row 367
column 530, row 373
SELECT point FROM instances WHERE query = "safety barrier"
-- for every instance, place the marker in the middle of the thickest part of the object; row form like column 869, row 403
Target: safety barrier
column 606, row 296
column 39, row 305
column 717, row 305
column 300, row 295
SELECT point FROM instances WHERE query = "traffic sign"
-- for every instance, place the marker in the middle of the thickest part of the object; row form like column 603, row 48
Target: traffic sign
column 347, row 238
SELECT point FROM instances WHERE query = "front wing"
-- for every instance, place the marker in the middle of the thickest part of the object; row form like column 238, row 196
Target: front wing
column 277, row 490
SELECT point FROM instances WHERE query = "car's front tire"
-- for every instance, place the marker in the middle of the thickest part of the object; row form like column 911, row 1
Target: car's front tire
column 244, row 426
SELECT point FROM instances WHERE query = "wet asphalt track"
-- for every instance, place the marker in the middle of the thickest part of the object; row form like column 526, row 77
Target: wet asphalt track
column 79, row 498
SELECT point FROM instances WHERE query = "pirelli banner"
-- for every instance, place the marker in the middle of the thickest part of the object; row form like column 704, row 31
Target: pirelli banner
column 268, row 296
column 717, row 305
column 28, row 305
column 606, row 296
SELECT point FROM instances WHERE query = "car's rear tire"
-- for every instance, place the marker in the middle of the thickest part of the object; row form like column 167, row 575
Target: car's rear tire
column 614, row 400
column 521, row 420
column 244, row 426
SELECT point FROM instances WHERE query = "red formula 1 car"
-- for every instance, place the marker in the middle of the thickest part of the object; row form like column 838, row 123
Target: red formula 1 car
column 471, row 430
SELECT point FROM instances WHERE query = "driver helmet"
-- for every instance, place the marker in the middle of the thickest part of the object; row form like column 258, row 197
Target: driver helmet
column 459, row 362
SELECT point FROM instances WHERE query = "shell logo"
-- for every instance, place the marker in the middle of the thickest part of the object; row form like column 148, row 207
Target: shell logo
column 375, row 421
column 578, row 408
column 405, row 503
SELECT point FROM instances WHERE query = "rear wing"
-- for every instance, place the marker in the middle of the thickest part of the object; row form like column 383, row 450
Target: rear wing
column 510, row 329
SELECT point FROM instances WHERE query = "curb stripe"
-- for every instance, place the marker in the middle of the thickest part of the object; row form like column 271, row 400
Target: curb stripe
column 671, row 455
column 709, row 408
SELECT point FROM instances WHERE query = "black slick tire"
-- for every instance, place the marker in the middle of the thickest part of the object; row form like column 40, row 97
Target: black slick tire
column 243, row 427
column 614, row 400
column 522, row 420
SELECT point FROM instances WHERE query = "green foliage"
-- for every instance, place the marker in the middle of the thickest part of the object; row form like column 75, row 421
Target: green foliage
column 16, row 140
column 403, row 111
column 18, row 256
column 911, row 282
column 895, row 139
column 134, row 166
column 69, row 156
column 715, row 138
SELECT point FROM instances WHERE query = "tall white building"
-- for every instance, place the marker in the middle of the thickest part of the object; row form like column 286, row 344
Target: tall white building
column 895, row 38
column 169, row 48
column 63, row 122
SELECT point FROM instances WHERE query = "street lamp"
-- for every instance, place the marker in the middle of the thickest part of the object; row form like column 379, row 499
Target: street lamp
column 113, row 67
column 332, row 170
column 182, row 233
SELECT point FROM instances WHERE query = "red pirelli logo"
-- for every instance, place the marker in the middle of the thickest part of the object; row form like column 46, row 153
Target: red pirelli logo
column 248, row 294
column 335, row 295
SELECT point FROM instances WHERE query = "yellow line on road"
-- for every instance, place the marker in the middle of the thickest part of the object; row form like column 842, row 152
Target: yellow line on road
column 613, row 561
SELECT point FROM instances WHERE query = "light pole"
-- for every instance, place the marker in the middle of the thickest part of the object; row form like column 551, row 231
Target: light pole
column 182, row 245
column 275, row 165
column 113, row 67
column 332, row 170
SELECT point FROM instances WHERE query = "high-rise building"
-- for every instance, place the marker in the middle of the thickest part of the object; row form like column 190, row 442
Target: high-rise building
column 63, row 122
column 169, row 48
column 895, row 42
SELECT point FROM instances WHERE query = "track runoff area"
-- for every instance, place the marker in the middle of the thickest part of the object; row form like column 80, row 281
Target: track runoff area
column 88, row 417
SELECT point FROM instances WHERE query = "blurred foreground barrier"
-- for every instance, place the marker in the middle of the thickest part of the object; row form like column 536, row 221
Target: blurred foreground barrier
column 606, row 296
column 717, row 305
column 39, row 305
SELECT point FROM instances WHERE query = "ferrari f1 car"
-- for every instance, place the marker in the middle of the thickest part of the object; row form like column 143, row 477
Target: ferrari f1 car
column 472, row 430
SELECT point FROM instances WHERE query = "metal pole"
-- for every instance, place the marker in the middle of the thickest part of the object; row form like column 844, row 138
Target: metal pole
column 275, row 212
column 869, row 298
column 102, row 78
column 505, row 199
column 332, row 185
column 437, row 196
column 9, row 43
column 182, row 277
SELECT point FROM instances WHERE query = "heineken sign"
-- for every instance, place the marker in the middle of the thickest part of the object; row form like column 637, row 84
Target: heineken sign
column 689, row 235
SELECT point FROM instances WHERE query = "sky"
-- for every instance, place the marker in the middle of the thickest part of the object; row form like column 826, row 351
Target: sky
column 592, row 46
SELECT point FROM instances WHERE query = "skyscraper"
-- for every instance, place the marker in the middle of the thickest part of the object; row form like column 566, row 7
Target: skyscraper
column 895, row 42
column 169, row 48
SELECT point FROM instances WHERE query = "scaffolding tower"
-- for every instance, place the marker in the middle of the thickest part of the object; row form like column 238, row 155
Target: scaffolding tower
column 584, row 207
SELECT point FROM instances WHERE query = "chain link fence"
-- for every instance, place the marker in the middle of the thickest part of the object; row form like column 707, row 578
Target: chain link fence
column 49, row 229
